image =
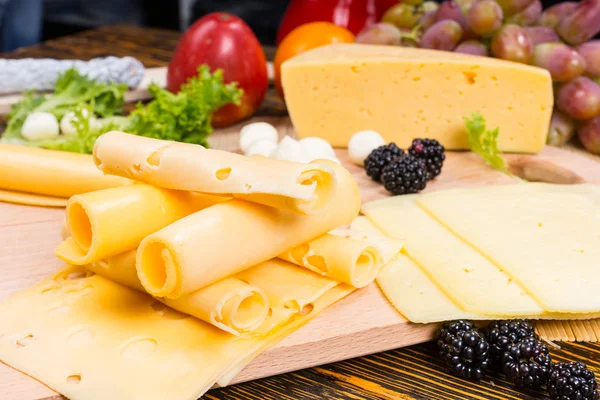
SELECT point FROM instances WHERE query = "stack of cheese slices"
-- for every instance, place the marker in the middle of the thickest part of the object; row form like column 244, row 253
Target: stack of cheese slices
column 183, row 273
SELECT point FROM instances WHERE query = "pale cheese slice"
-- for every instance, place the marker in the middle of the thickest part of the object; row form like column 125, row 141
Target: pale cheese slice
column 545, row 237
column 108, row 222
column 114, row 343
column 50, row 173
column 303, row 188
column 230, row 304
column 190, row 254
column 468, row 278
column 31, row 199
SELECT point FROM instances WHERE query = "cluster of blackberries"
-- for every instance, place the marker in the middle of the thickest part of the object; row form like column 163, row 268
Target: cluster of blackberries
column 406, row 172
column 514, row 347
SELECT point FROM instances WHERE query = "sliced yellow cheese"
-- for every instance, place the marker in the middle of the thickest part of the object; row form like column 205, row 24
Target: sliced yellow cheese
column 545, row 237
column 31, row 199
column 115, row 343
column 416, row 296
column 337, row 90
column 304, row 188
column 468, row 278
column 189, row 254
column 345, row 256
column 51, row 173
column 230, row 304
column 108, row 222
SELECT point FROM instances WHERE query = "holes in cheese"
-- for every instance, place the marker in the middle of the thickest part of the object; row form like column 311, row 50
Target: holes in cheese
column 194, row 261
column 52, row 175
column 112, row 221
column 298, row 187
column 139, row 352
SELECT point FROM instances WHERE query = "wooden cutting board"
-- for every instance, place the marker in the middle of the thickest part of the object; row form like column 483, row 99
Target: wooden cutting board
column 361, row 324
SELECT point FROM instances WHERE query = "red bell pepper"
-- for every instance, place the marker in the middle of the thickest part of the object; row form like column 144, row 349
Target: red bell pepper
column 354, row 15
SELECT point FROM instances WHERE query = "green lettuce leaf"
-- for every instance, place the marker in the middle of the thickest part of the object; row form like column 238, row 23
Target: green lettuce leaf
column 484, row 141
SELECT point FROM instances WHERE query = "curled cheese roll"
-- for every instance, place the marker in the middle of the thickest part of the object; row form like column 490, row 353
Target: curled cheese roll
column 51, row 173
column 230, row 304
column 111, row 221
column 346, row 260
column 303, row 188
column 387, row 246
column 31, row 199
column 227, row 238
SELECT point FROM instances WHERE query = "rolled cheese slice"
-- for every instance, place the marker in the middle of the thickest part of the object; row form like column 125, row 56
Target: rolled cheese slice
column 31, row 199
column 303, row 188
column 108, row 222
column 230, row 304
column 51, row 173
column 227, row 238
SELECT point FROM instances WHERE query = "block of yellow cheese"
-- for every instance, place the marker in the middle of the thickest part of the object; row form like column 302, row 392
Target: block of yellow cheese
column 403, row 93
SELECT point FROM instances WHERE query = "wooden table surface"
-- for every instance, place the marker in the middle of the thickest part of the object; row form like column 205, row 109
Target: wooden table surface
column 409, row 373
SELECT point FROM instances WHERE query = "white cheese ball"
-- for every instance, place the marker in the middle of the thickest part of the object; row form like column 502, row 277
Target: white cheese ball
column 257, row 131
column 361, row 144
column 66, row 125
column 289, row 149
column 318, row 147
column 264, row 148
column 39, row 126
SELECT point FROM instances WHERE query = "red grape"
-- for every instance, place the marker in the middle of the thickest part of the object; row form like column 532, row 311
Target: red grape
column 428, row 19
column 429, row 6
column 590, row 51
column 512, row 43
column 485, row 17
column 402, row 15
column 581, row 24
column 474, row 47
column 443, row 35
column 562, row 129
column 552, row 15
column 541, row 34
column 528, row 16
column 562, row 61
column 450, row 9
column 465, row 5
column 579, row 98
column 381, row 33
column 511, row 7
column 589, row 135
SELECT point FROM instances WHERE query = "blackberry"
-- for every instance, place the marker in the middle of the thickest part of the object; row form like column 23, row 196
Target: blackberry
column 572, row 381
column 527, row 363
column 405, row 174
column 431, row 152
column 379, row 158
column 501, row 334
column 464, row 350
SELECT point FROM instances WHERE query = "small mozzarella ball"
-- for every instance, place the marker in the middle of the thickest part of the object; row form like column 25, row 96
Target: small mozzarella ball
column 66, row 125
column 40, row 125
column 257, row 131
column 290, row 149
column 361, row 144
column 318, row 147
column 264, row 148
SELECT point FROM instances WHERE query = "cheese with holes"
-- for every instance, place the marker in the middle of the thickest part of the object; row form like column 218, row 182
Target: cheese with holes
column 546, row 237
column 190, row 254
column 337, row 90
column 303, row 188
column 468, row 278
column 108, row 222
column 416, row 296
column 56, row 174
column 32, row 199
column 117, row 343
column 344, row 255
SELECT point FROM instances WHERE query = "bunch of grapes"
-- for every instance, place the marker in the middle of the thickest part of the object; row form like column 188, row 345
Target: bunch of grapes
column 557, row 39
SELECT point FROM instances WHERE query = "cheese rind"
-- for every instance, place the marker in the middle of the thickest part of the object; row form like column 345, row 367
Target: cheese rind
column 51, row 173
column 108, row 222
column 303, row 188
column 336, row 90
column 187, row 255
